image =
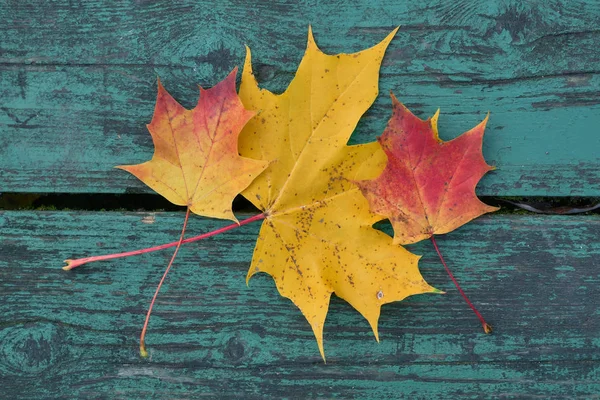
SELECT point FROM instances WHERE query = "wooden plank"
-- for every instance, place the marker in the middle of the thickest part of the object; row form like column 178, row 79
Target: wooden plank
column 77, row 80
column 180, row 33
column 74, row 334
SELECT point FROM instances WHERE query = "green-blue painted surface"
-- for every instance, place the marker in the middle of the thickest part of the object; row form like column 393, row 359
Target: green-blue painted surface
column 78, row 78
column 74, row 334
column 77, row 86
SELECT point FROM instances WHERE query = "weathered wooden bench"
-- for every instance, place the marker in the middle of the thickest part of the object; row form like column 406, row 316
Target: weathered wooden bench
column 77, row 86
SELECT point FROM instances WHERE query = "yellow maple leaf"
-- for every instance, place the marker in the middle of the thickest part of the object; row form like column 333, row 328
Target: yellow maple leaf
column 196, row 161
column 317, row 237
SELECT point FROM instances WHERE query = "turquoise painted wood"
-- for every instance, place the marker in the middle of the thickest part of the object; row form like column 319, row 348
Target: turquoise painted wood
column 74, row 334
column 77, row 86
column 77, row 79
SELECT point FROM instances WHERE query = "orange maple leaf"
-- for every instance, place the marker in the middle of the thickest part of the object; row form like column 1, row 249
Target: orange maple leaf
column 428, row 185
column 196, row 161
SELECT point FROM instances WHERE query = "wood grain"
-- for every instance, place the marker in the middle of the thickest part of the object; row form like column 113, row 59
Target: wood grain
column 77, row 86
column 74, row 334
column 77, row 79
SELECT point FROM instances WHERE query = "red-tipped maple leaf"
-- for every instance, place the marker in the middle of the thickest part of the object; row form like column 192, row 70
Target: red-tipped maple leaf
column 428, row 185
column 196, row 161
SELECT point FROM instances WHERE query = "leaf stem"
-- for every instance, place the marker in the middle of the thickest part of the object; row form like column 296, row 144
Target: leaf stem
column 81, row 261
column 143, row 351
column 487, row 328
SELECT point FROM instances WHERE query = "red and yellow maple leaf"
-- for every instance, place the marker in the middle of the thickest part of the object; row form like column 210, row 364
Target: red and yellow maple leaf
column 428, row 185
column 196, row 161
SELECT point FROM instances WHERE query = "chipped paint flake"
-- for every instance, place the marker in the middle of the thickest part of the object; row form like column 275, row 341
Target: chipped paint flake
column 149, row 219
